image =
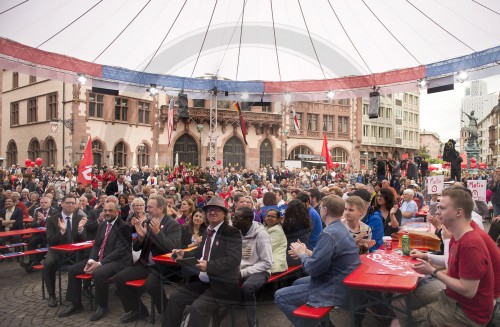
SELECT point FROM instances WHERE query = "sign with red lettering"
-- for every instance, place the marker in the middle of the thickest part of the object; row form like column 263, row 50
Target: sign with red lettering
column 391, row 263
column 435, row 184
column 478, row 189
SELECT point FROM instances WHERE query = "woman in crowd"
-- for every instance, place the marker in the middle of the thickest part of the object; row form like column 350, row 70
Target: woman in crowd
column 278, row 239
column 192, row 231
column 186, row 210
column 297, row 226
column 70, row 180
column 362, row 233
column 137, row 206
column 124, row 206
column 389, row 209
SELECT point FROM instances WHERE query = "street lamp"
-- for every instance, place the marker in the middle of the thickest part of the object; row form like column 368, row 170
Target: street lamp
column 285, row 132
column 199, row 127
column 366, row 160
column 83, row 143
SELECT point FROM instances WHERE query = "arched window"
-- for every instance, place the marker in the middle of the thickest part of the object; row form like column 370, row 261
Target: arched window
column 294, row 154
column 51, row 150
column 266, row 153
column 120, row 155
column 339, row 155
column 12, row 153
column 187, row 149
column 234, row 153
column 143, row 151
column 33, row 149
column 97, row 153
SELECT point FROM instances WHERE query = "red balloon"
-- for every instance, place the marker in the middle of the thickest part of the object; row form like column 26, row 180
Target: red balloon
column 337, row 165
column 27, row 162
column 218, row 162
column 39, row 161
column 473, row 165
column 473, row 160
column 32, row 164
column 439, row 156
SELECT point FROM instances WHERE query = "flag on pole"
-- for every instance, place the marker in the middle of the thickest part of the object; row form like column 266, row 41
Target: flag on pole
column 326, row 153
column 85, row 168
column 170, row 121
column 242, row 122
column 295, row 121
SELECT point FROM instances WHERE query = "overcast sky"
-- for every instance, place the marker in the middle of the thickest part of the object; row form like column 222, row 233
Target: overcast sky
column 440, row 112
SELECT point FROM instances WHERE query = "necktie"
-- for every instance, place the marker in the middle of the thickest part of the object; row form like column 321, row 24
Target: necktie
column 208, row 243
column 44, row 216
column 68, row 230
column 101, row 250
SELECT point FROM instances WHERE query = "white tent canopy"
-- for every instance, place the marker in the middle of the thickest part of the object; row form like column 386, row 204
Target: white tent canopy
column 256, row 40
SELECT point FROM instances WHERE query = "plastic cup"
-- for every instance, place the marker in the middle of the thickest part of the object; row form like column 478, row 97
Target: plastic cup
column 387, row 243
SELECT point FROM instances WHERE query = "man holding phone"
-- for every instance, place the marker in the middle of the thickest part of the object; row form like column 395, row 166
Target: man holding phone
column 65, row 227
column 111, row 253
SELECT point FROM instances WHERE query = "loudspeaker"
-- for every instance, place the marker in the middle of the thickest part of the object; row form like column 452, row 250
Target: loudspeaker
column 374, row 104
column 183, row 106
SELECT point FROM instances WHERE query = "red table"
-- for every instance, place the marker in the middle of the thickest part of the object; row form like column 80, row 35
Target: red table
column 359, row 279
column 20, row 232
column 70, row 248
column 28, row 221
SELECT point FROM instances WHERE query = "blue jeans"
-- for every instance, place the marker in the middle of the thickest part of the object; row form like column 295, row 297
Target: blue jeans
column 290, row 298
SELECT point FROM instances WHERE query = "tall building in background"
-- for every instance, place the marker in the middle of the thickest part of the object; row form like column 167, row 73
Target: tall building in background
column 431, row 141
column 477, row 99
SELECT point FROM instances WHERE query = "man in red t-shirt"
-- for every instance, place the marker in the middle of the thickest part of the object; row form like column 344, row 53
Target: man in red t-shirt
column 468, row 297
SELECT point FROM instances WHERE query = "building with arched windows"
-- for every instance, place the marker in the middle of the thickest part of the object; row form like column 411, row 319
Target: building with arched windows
column 53, row 120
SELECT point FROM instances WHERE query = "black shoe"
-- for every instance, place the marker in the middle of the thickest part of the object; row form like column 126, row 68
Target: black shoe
column 100, row 313
column 52, row 301
column 133, row 316
column 72, row 309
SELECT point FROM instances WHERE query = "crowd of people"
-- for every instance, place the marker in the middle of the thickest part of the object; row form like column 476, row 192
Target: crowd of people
column 243, row 226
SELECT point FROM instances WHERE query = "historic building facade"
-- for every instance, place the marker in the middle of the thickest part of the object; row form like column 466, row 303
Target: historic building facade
column 431, row 141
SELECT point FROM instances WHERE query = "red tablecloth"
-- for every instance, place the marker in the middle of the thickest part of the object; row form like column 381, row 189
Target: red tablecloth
column 75, row 247
column 22, row 232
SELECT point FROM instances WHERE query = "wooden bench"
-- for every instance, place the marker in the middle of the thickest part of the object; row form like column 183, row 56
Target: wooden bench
column 140, row 283
column 305, row 311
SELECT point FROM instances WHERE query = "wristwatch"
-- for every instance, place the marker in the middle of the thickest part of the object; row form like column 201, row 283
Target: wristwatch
column 434, row 273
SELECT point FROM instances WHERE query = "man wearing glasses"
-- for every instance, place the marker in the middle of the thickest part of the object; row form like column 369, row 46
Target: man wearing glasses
column 157, row 234
column 65, row 227
column 219, row 255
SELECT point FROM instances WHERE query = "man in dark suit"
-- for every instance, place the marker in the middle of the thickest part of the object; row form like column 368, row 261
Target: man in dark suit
column 11, row 218
column 111, row 253
column 65, row 227
column 158, row 234
column 219, row 254
column 41, row 214
column 118, row 186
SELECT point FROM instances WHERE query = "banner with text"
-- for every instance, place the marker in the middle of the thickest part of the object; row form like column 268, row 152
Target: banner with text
column 478, row 189
column 435, row 184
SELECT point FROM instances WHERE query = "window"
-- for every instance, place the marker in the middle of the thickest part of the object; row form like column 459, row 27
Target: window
column 405, row 135
column 199, row 103
column 373, row 131
column 366, row 131
column 223, row 105
column 32, row 112
column 312, row 122
column 15, row 80
column 415, row 100
column 144, row 112
column 381, row 112
column 388, row 133
column 398, row 133
column 398, row 113
column 52, row 106
column 51, row 150
column 299, row 120
column 245, row 106
column 143, row 155
column 405, row 99
column 344, row 102
column 121, row 108
column 327, row 123
column 97, row 153
column 294, row 154
column 120, row 155
column 34, row 149
column 339, row 155
column 264, row 108
column 14, row 113
column 380, row 132
column 32, row 79
column 405, row 116
column 342, row 124
column 416, row 118
column 96, row 105
column 388, row 113
column 411, row 136
column 11, row 153
column 365, row 109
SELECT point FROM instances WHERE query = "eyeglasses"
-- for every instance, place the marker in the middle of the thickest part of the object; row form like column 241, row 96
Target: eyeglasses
column 214, row 209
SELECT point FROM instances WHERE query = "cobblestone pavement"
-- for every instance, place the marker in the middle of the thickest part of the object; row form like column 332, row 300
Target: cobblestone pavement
column 21, row 304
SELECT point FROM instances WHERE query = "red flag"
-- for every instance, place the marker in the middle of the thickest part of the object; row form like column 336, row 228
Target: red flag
column 295, row 120
column 170, row 121
column 85, row 168
column 242, row 122
column 326, row 153
column 404, row 156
